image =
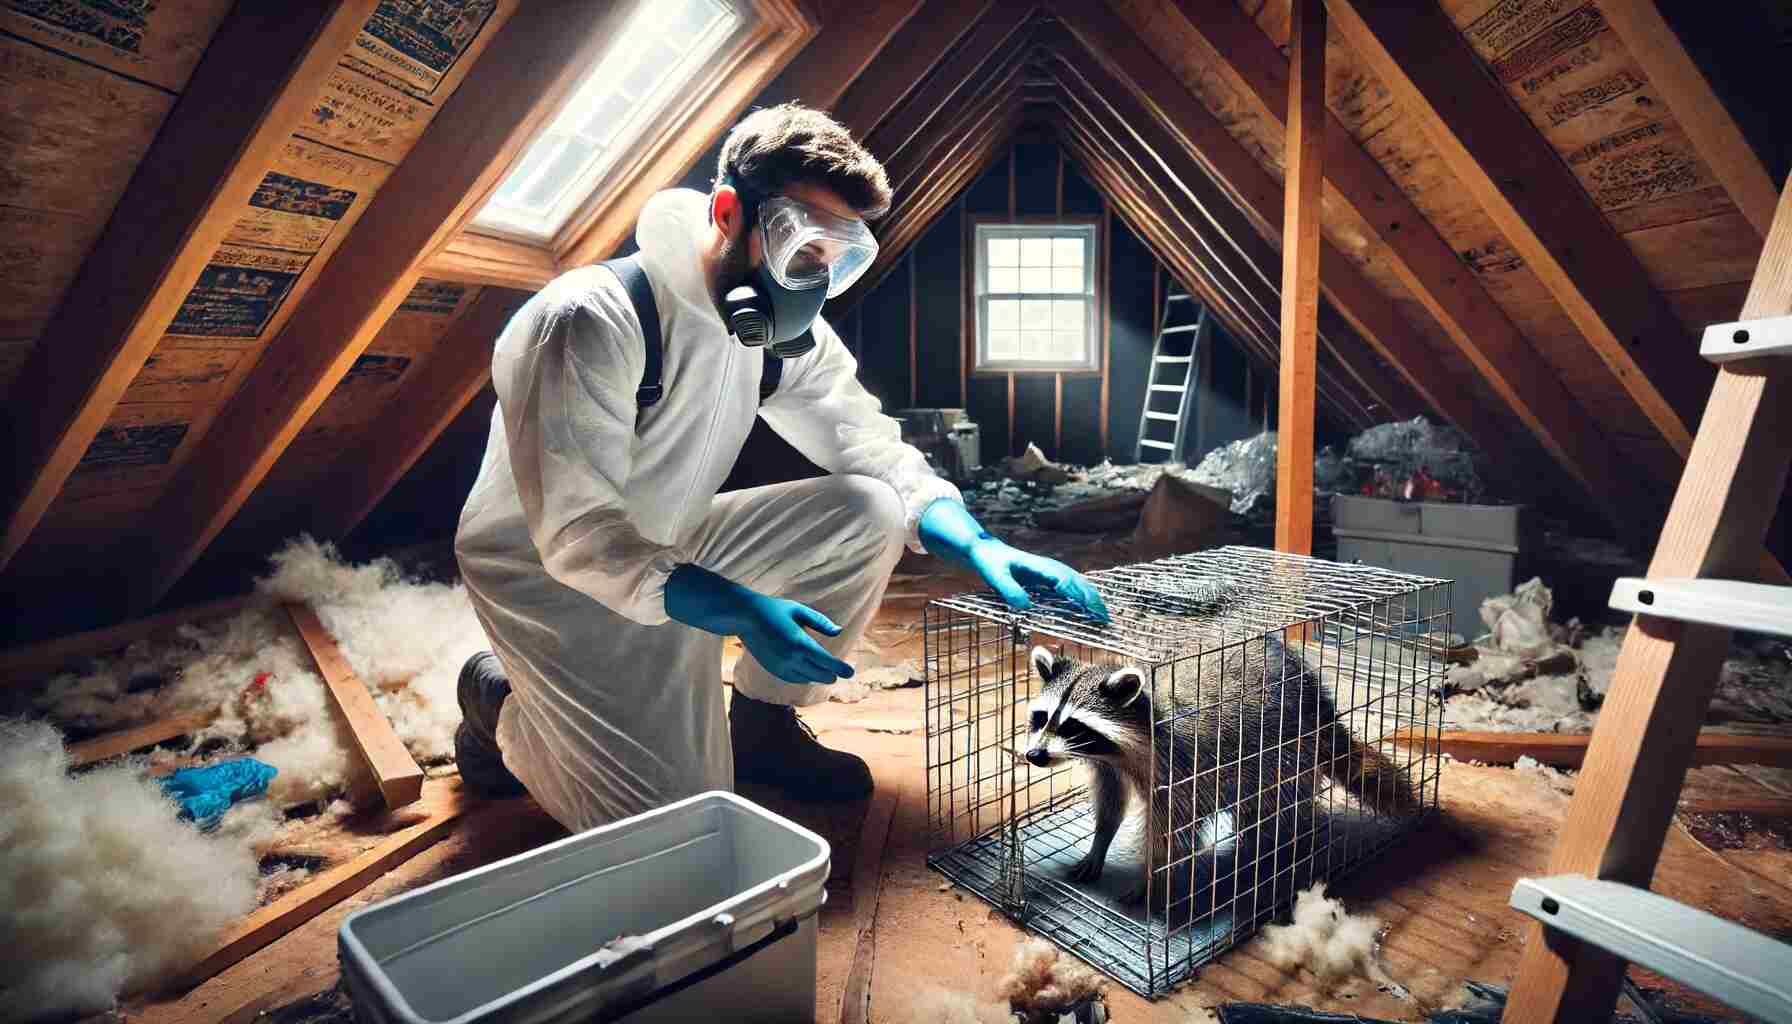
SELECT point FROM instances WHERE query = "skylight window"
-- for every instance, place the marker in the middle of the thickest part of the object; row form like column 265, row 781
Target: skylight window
column 658, row 53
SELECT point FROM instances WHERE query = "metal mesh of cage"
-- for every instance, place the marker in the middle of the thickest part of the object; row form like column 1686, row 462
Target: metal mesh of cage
column 1280, row 729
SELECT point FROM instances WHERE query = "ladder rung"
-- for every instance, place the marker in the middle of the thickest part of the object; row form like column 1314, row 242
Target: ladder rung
column 1177, row 298
column 1175, row 359
column 1160, row 416
column 1165, row 445
column 1746, row 969
column 1747, row 339
column 1732, row 604
column 1168, row 387
column 1181, row 329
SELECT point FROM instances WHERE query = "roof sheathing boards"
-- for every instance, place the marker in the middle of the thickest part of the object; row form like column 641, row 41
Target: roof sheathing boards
column 349, row 416
column 1407, row 155
column 82, row 92
column 403, row 65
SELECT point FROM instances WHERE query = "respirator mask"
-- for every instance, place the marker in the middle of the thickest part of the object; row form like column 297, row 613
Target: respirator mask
column 810, row 256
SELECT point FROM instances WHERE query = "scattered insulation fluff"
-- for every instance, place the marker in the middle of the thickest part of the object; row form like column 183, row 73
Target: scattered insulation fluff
column 405, row 640
column 1555, row 778
column 105, row 886
column 1326, row 940
column 1043, row 982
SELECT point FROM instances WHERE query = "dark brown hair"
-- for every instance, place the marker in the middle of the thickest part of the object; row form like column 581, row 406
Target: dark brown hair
column 775, row 146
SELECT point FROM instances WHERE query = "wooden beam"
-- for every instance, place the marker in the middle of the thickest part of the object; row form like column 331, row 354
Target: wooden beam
column 851, row 38
column 477, row 259
column 524, row 74
column 944, row 86
column 1300, row 278
column 124, row 741
column 394, row 770
column 1426, row 263
column 35, row 664
column 903, row 64
column 1714, row 133
column 1537, row 203
column 434, row 396
column 1645, row 736
column 1007, row 71
column 258, row 79
column 1570, row 751
column 443, row 807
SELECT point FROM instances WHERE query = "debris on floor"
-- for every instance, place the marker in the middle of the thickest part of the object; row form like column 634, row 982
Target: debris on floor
column 1408, row 460
column 1533, row 674
column 1044, row 984
column 1246, row 469
column 406, row 639
column 101, row 880
column 1332, row 943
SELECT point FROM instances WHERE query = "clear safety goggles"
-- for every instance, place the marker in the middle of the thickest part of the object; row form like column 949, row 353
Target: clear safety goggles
column 807, row 248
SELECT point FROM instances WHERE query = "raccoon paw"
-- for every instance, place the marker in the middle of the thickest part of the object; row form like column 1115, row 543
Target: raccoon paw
column 1087, row 870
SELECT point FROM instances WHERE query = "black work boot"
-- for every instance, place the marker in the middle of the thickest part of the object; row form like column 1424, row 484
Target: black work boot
column 773, row 747
column 482, row 689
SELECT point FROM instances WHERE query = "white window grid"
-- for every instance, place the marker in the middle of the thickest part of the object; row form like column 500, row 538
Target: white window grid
column 1036, row 302
column 661, row 48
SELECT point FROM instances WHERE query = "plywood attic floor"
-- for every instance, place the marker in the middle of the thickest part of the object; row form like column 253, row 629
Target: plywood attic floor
column 1442, row 896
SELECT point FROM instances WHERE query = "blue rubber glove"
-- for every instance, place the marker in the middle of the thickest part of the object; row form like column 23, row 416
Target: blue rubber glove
column 947, row 530
column 770, row 627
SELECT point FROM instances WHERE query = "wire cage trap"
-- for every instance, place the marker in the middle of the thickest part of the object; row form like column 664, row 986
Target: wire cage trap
column 1278, row 728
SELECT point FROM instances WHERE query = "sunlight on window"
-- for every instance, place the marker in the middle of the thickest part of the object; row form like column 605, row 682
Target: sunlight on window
column 1036, row 287
column 662, row 48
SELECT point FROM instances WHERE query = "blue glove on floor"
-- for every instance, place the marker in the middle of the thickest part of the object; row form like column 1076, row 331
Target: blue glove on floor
column 207, row 791
column 770, row 627
column 947, row 530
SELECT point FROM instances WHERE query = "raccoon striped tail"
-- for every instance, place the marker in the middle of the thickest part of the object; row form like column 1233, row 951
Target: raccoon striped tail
column 1366, row 772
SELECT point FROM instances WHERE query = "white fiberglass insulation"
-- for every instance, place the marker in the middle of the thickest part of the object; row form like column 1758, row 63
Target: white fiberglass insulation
column 406, row 640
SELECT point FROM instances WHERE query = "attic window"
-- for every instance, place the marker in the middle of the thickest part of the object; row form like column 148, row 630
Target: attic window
column 664, row 46
column 1036, row 297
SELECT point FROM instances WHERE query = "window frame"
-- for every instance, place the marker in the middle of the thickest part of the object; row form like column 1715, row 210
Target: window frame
column 767, row 34
column 983, row 227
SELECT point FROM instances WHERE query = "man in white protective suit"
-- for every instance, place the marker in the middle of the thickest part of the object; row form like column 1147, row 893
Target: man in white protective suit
column 602, row 562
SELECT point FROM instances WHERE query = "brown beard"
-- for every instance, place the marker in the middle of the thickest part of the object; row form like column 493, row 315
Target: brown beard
column 732, row 267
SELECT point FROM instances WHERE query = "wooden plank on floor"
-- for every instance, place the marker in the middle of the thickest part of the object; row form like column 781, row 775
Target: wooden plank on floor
column 1300, row 279
column 1568, row 750
column 867, row 886
column 399, row 778
column 124, row 741
column 442, row 810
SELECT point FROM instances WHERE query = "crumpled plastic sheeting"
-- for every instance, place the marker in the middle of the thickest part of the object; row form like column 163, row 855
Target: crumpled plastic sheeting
column 1247, row 468
column 205, row 792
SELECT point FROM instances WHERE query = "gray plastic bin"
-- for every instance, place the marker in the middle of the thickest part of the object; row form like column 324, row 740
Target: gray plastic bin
column 1477, row 547
column 721, row 893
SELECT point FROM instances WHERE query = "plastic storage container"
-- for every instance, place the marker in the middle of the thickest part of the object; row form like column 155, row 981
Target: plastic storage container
column 1478, row 547
column 716, row 895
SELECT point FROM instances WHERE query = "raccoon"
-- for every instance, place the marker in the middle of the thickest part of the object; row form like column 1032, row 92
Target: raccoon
column 1262, row 727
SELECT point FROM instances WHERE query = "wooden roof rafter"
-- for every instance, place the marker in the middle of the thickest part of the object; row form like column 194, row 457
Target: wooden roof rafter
column 1538, row 204
column 1227, row 235
column 199, row 175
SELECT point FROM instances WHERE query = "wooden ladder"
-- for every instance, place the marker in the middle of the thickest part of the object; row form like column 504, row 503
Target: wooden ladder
column 1168, row 351
column 1685, row 610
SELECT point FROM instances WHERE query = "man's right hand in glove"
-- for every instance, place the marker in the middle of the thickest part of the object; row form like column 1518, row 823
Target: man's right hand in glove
column 772, row 628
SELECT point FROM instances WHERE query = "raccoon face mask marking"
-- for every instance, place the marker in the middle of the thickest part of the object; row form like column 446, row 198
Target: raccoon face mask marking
column 1073, row 716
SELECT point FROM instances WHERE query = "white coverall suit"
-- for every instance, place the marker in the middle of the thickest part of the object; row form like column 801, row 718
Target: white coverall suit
column 583, row 508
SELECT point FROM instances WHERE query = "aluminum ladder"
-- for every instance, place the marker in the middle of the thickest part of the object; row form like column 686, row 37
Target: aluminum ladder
column 1179, row 343
column 1594, row 911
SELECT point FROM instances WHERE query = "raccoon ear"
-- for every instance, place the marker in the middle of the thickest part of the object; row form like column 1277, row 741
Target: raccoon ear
column 1124, row 686
column 1048, row 664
